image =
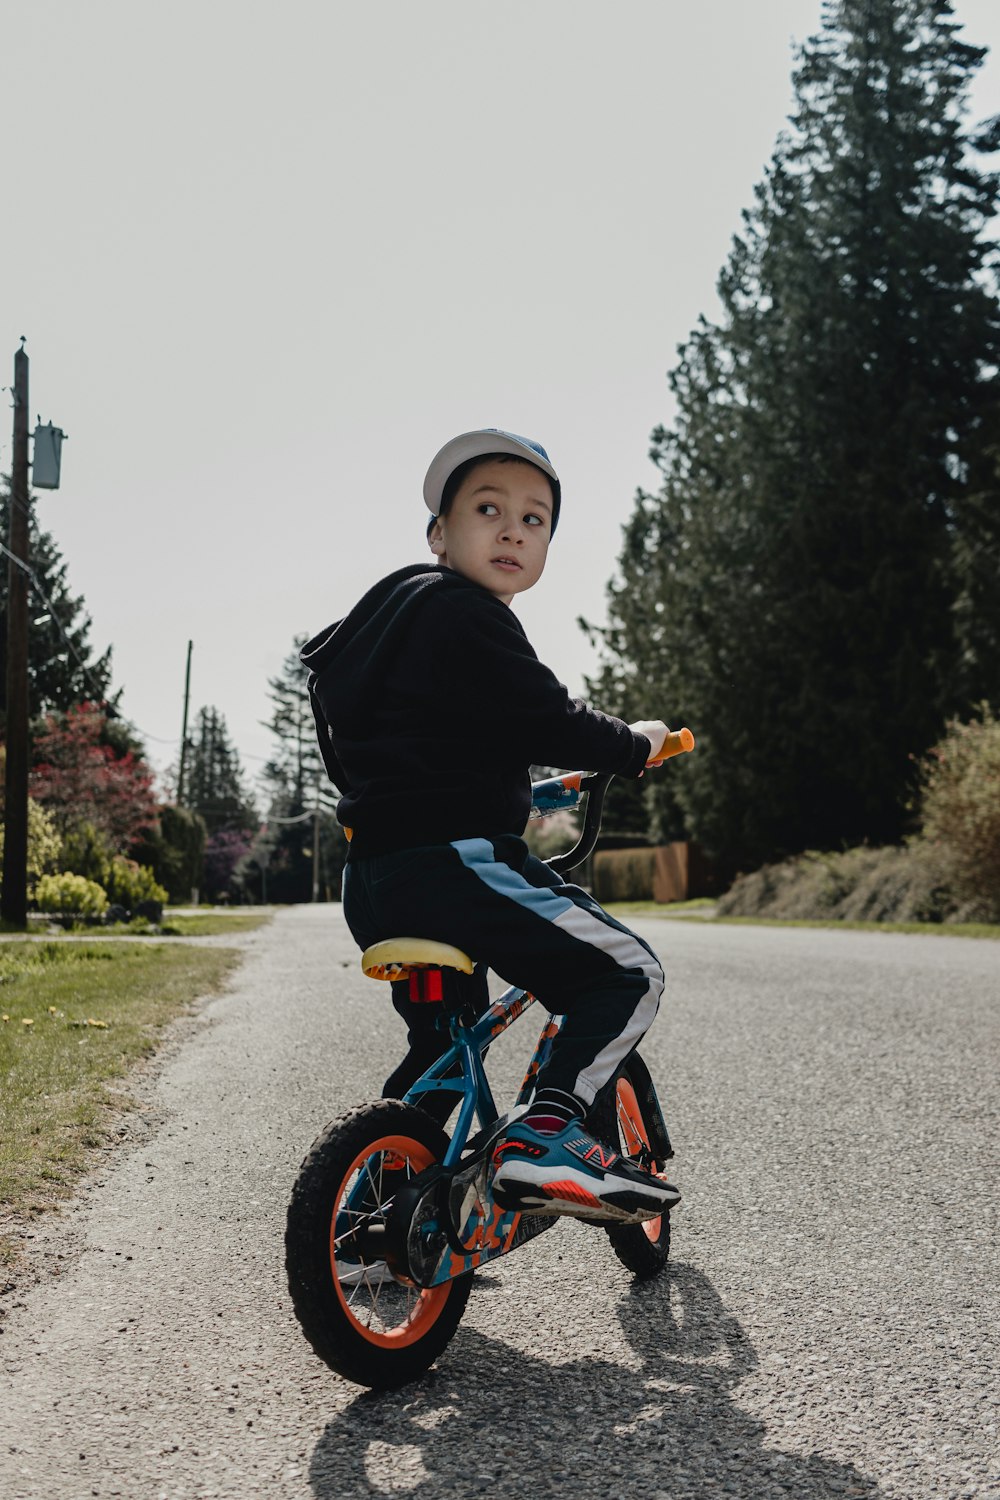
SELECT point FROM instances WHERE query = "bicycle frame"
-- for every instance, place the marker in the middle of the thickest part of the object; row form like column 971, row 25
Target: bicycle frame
column 466, row 1051
column 484, row 1230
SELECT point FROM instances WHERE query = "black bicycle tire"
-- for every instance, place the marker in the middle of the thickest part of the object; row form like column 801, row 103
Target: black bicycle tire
column 334, row 1336
column 643, row 1256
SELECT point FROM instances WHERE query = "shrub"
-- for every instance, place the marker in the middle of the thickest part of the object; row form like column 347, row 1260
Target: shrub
column 86, row 851
column 43, row 842
column 223, row 853
column 856, row 885
column 128, row 884
column 71, row 895
column 960, row 810
column 949, row 872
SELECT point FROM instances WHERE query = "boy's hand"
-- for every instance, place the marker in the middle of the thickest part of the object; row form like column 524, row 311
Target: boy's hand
column 655, row 731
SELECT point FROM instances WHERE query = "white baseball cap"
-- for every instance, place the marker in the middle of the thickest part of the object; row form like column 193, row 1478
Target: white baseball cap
column 480, row 444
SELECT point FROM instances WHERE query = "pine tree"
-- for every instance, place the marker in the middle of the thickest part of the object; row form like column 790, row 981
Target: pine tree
column 805, row 588
column 214, row 782
column 298, row 784
column 62, row 669
column 295, row 771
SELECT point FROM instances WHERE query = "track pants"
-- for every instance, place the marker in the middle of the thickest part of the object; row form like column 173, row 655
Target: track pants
column 511, row 913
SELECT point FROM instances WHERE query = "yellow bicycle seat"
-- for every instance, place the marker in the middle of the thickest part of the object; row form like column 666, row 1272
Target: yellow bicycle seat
column 397, row 958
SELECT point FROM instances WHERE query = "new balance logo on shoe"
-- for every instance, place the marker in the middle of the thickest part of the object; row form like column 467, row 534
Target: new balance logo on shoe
column 603, row 1156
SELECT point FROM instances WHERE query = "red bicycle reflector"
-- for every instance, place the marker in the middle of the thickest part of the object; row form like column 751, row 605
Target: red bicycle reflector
column 426, row 985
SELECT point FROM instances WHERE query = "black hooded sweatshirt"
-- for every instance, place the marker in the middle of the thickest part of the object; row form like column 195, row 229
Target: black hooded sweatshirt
column 430, row 707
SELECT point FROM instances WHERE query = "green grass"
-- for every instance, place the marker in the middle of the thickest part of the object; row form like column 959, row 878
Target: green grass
column 933, row 929
column 183, row 924
column 687, row 910
column 207, row 924
column 76, row 1018
column 658, row 908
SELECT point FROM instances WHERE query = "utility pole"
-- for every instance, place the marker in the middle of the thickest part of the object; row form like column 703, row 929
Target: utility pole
column 14, row 899
column 184, row 729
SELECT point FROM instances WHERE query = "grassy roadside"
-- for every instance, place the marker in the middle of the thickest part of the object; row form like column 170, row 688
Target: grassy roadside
column 179, row 924
column 696, row 911
column 210, row 923
column 701, row 907
column 76, row 1018
column 924, row 929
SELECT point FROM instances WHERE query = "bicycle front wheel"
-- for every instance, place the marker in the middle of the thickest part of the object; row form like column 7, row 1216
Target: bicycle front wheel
column 370, row 1325
column 625, row 1122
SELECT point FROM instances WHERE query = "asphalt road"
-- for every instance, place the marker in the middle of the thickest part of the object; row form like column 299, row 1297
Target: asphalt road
column 828, row 1326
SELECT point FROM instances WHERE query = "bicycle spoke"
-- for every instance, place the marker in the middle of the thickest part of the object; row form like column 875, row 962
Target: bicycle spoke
column 375, row 1292
column 374, row 1299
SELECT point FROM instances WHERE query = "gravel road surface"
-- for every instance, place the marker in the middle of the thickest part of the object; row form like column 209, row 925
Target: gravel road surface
column 828, row 1326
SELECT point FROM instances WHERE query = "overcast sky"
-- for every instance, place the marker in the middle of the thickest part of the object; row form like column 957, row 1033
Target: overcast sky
column 269, row 257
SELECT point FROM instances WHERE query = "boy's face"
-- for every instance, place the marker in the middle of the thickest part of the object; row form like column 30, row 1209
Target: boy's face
column 497, row 531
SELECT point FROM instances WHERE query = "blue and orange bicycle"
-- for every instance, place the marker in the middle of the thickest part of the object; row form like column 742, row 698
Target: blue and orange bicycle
column 390, row 1218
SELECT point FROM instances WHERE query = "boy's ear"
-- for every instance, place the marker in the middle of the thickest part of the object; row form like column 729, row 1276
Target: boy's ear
column 435, row 537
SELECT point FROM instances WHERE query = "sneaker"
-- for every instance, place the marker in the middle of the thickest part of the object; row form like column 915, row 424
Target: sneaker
column 572, row 1173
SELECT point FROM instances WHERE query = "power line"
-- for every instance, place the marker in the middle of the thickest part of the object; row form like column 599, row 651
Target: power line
column 99, row 691
column 67, row 639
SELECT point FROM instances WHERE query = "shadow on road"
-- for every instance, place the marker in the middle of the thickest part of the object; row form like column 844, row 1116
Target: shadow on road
column 494, row 1420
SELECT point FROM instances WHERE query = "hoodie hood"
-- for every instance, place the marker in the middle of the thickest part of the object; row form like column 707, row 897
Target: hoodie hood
column 345, row 658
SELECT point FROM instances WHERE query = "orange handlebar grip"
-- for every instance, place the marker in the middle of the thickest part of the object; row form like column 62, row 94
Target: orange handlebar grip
column 676, row 743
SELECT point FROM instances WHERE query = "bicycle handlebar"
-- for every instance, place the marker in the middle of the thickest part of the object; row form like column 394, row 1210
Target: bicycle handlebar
column 596, row 786
column 676, row 743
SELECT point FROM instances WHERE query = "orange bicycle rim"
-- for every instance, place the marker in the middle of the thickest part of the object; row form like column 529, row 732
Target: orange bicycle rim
column 427, row 1303
column 634, row 1131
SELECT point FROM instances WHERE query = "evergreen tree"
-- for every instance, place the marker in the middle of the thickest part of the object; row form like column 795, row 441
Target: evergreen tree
column 646, row 808
column 298, row 785
column 295, row 771
column 813, row 588
column 977, row 555
column 214, row 785
column 174, row 849
column 62, row 669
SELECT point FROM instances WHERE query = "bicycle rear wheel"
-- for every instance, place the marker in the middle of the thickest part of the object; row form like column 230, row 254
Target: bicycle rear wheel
column 371, row 1326
column 624, row 1120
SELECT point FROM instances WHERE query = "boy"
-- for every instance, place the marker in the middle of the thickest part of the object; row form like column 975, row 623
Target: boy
column 430, row 707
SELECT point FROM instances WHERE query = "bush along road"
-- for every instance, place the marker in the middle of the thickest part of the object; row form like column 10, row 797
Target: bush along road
column 826, row 1327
